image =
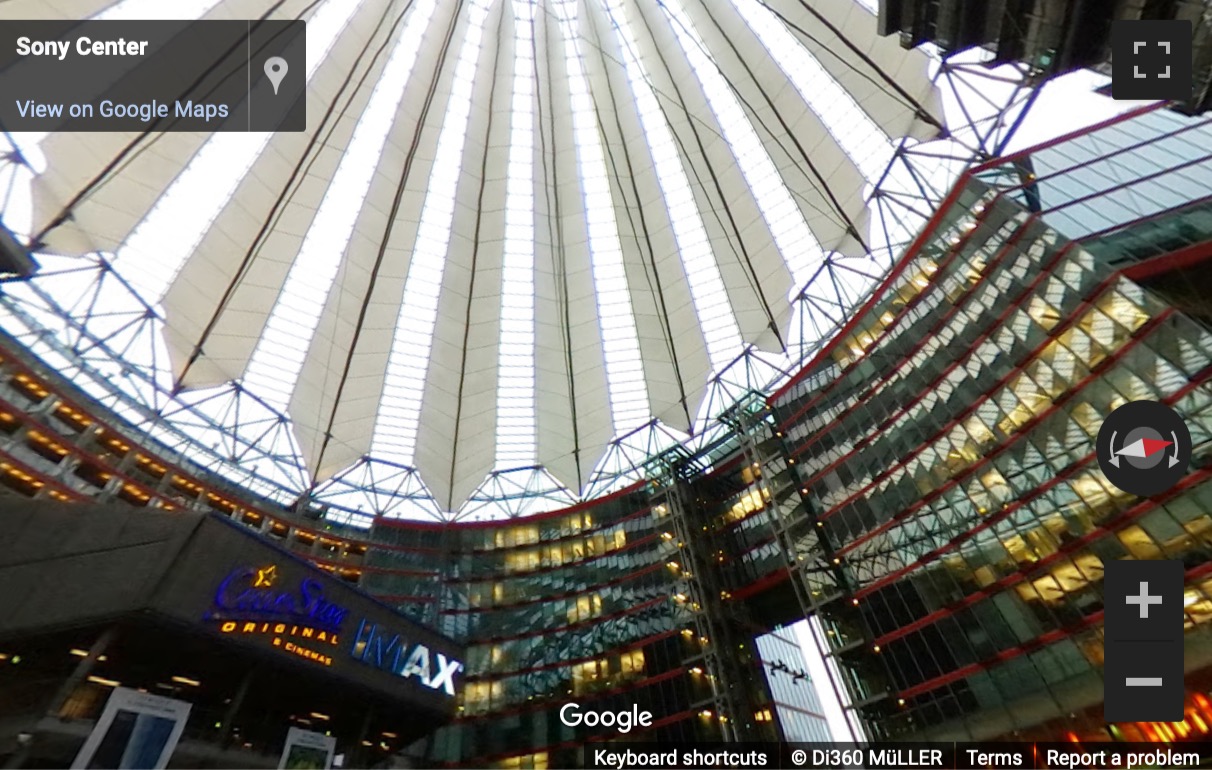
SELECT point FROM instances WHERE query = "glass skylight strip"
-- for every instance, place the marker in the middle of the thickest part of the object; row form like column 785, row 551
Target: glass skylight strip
column 859, row 136
column 278, row 357
column 154, row 253
column 711, row 303
column 629, row 405
column 516, row 439
column 395, row 433
column 799, row 247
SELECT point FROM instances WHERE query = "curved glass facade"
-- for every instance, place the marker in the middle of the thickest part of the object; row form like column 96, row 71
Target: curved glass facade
column 946, row 447
column 570, row 606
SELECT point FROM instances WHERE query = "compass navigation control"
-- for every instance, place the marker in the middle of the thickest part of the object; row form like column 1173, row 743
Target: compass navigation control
column 1144, row 447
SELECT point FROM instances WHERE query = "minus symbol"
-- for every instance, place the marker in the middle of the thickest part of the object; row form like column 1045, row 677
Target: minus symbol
column 1143, row 681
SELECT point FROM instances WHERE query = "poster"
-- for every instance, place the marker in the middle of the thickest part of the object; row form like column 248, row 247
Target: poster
column 136, row 730
column 306, row 750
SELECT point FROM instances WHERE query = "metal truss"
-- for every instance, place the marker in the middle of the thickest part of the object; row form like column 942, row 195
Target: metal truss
column 700, row 595
column 85, row 321
column 804, row 551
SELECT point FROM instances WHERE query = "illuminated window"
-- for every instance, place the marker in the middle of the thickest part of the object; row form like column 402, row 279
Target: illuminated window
column 1139, row 544
column 1082, row 346
column 586, row 675
column 631, row 663
column 559, row 554
column 1066, row 578
column 1091, row 646
column 1096, row 494
column 1021, row 401
column 960, row 457
column 1017, row 548
column 524, row 535
column 522, row 561
column 584, row 608
column 1042, row 313
column 1196, row 604
column 84, row 702
column 1086, row 417
column 1123, row 309
column 578, row 522
column 620, row 540
column 749, row 503
column 525, row 762
column 979, row 431
column 992, row 491
column 751, row 473
column 478, row 697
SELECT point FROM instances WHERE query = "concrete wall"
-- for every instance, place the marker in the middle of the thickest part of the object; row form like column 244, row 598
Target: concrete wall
column 65, row 566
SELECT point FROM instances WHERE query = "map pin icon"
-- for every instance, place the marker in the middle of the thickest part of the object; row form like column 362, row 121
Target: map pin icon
column 275, row 70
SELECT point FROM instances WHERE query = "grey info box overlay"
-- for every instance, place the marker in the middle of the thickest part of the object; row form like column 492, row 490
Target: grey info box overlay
column 141, row 76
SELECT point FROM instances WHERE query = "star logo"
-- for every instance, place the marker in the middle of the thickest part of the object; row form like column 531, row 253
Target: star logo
column 265, row 576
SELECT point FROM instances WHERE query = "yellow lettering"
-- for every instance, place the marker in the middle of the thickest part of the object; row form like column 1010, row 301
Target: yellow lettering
column 307, row 632
column 280, row 628
column 250, row 627
column 228, row 627
column 278, row 642
column 322, row 636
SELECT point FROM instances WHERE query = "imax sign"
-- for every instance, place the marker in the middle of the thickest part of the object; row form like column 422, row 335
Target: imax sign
column 395, row 655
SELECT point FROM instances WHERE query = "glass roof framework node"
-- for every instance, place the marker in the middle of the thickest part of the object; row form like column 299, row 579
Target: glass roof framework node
column 532, row 246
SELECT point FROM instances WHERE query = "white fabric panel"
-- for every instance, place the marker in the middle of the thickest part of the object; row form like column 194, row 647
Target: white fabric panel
column 104, row 219
column 751, row 265
column 455, row 439
column 908, row 69
column 409, row 150
column 659, row 290
column 573, row 393
column 194, row 297
column 339, row 394
column 773, row 103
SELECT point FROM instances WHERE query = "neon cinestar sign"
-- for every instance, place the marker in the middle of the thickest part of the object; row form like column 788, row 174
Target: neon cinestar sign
column 253, row 593
column 395, row 655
